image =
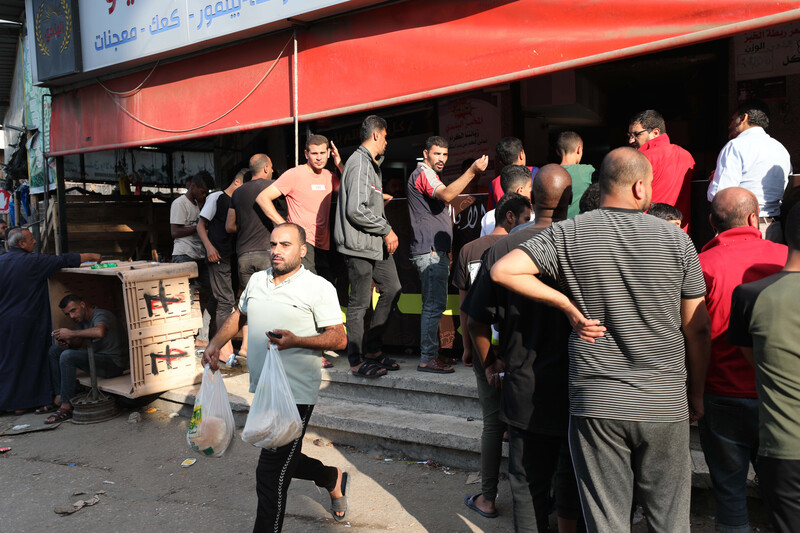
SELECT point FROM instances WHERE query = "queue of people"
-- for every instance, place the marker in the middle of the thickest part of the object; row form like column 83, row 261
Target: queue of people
column 595, row 331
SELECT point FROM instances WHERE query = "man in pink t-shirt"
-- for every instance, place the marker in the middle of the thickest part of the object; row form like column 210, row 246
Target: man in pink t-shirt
column 308, row 189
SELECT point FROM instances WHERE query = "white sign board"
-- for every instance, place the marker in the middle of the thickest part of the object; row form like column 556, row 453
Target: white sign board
column 5, row 200
column 768, row 53
column 119, row 31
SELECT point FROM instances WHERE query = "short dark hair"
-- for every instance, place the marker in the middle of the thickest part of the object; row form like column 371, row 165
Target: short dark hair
column 300, row 230
column 239, row 174
column 567, row 142
column 513, row 202
column 757, row 112
column 513, row 176
column 508, row 150
column 248, row 176
column 317, row 140
column 371, row 123
column 665, row 211
column 792, row 232
column 203, row 179
column 435, row 140
column 69, row 298
column 590, row 200
column 650, row 119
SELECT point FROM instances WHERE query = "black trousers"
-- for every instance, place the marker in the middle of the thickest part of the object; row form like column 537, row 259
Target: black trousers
column 779, row 483
column 277, row 467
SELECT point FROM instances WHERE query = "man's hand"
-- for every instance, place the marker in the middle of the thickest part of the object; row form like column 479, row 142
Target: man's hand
column 493, row 372
column 696, row 408
column 466, row 356
column 480, row 165
column 211, row 357
column 282, row 338
column 63, row 335
column 337, row 158
column 586, row 329
column 212, row 253
column 391, row 241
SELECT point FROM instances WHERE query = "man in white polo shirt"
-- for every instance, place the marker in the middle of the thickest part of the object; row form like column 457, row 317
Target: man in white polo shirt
column 298, row 311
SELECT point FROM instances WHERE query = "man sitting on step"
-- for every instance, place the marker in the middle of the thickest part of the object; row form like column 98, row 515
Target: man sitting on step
column 100, row 327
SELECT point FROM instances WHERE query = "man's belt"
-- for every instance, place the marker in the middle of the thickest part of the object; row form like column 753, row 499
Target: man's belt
column 766, row 220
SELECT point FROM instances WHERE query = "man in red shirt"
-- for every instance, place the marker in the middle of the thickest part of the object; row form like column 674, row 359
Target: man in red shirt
column 672, row 165
column 729, row 429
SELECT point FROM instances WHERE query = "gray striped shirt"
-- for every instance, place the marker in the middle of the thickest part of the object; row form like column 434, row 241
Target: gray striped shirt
column 630, row 271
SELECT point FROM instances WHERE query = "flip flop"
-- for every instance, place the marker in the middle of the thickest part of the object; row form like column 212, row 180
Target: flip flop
column 385, row 362
column 469, row 501
column 50, row 408
column 326, row 363
column 339, row 505
column 369, row 369
column 59, row 416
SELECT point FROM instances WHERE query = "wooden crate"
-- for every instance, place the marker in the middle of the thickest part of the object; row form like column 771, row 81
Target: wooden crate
column 154, row 301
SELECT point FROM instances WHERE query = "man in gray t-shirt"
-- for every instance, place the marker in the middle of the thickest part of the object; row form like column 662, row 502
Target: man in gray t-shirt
column 107, row 336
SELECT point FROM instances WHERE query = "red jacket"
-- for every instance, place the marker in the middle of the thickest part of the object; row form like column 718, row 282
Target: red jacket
column 672, row 175
column 733, row 257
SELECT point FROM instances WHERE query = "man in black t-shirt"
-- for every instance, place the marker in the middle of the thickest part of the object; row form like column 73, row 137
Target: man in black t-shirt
column 219, row 245
column 532, row 353
column 634, row 294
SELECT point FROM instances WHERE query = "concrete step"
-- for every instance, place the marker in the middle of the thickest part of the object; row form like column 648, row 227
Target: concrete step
column 453, row 394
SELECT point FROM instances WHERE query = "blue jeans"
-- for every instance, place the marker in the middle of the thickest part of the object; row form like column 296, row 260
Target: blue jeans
column 63, row 365
column 433, row 269
column 729, row 436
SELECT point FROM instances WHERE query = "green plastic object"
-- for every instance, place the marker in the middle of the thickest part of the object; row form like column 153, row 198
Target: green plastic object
column 103, row 265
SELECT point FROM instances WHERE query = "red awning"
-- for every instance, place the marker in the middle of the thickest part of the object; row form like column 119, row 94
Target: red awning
column 397, row 53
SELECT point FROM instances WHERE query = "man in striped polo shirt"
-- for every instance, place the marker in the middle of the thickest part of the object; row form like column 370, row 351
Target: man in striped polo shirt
column 633, row 292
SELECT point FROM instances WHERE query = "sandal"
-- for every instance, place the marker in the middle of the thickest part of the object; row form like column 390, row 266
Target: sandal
column 339, row 505
column 59, row 416
column 436, row 367
column 469, row 501
column 369, row 369
column 383, row 361
column 50, row 408
column 326, row 363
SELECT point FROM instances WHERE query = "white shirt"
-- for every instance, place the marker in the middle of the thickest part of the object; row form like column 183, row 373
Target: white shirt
column 305, row 304
column 210, row 207
column 487, row 223
column 756, row 162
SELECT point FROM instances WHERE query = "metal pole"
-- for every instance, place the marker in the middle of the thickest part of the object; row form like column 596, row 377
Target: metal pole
column 62, row 204
column 46, row 190
column 294, row 107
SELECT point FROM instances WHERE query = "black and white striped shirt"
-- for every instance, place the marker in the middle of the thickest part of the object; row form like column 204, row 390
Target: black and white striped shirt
column 629, row 270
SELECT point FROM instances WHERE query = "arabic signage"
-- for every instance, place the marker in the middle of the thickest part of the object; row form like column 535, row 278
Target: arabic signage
column 768, row 53
column 56, row 36
column 119, row 31
column 471, row 124
column 5, row 200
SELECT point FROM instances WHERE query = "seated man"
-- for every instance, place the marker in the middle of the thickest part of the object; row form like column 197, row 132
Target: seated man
column 108, row 340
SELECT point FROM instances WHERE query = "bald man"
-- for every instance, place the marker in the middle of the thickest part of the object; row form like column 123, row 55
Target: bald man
column 729, row 429
column 635, row 297
column 533, row 400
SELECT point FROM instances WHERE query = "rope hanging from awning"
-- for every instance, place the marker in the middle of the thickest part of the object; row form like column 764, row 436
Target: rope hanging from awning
column 112, row 95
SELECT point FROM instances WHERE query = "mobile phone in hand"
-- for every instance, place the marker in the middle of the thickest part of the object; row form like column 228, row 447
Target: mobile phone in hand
column 273, row 334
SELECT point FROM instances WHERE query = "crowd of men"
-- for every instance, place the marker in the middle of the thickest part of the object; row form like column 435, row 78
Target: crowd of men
column 595, row 331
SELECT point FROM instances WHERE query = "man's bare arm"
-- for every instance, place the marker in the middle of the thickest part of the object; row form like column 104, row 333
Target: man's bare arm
column 91, row 257
column 211, row 251
column 179, row 231
column 331, row 338
column 517, row 272
column 448, row 194
column 231, row 327
column 696, row 327
column 230, row 222
column 265, row 201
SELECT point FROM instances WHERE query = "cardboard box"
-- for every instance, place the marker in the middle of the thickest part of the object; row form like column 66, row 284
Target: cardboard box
column 155, row 301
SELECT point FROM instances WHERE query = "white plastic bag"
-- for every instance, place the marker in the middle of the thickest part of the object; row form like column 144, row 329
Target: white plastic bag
column 211, row 428
column 273, row 420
